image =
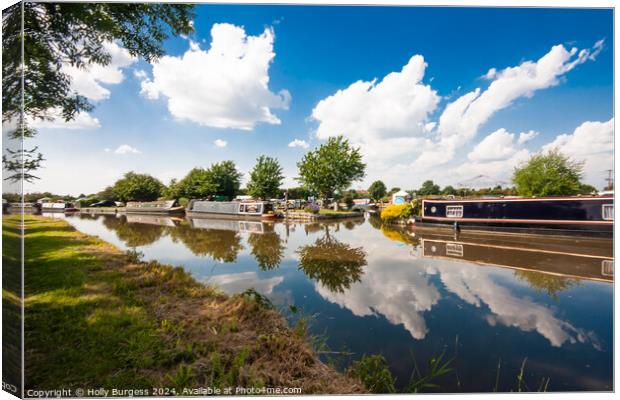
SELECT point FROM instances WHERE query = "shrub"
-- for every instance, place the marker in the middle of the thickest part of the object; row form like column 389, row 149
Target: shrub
column 394, row 211
column 312, row 208
column 416, row 207
column 374, row 373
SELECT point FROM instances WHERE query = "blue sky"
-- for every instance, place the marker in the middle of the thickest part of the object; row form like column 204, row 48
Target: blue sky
column 165, row 119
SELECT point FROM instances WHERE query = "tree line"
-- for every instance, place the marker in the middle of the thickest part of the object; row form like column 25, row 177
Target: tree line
column 548, row 174
column 328, row 172
column 324, row 172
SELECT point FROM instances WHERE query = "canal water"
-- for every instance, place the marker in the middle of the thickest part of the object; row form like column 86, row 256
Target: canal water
column 488, row 301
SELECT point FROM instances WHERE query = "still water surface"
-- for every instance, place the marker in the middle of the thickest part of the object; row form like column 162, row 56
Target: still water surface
column 373, row 289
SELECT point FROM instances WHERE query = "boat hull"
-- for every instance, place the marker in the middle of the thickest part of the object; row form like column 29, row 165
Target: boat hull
column 155, row 211
column 262, row 217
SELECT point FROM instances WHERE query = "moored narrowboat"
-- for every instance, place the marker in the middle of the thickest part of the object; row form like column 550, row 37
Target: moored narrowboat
column 262, row 210
column 154, row 207
column 28, row 208
column 592, row 214
column 58, row 206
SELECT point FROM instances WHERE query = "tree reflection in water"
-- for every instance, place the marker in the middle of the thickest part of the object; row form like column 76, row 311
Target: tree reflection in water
column 267, row 249
column 221, row 245
column 546, row 283
column 334, row 264
column 132, row 234
column 375, row 221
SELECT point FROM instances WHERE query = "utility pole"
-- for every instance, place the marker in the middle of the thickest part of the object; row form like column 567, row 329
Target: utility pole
column 610, row 179
column 286, row 204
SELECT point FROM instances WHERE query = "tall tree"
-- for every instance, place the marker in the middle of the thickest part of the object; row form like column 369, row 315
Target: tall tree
column 377, row 190
column 548, row 174
column 226, row 177
column 198, row 183
column 106, row 194
column 331, row 168
column 56, row 35
column 449, row 190
column 265, row 178
column 138, row 187
column 429, row 188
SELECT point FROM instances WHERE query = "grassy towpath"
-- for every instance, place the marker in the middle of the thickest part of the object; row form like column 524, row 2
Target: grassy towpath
column 96, row 317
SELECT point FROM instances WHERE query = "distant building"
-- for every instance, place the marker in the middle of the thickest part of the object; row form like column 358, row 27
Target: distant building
column 359, row 202
column 400, row 197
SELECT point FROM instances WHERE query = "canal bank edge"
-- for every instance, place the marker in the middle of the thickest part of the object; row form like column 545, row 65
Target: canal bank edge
column 149, row 325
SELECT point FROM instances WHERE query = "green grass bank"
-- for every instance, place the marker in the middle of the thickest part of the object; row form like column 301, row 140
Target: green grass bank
column 99, row 318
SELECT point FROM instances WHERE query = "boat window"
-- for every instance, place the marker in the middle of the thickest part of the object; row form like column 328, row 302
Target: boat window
column 251, row 208
column 454, row 249
column 241, row 208
column 608, row 212
column 607, row 268
column 454, row 211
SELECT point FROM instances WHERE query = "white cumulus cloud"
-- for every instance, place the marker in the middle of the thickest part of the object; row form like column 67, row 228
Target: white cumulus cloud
column 461, row 119
column 525, row 137
column 299, row 143
column 393, row 120
column 88, row 81
column 220, row 143
column 368, row 111
column 496, row 146
column 82, row 121
column 225, row 86
column 139, row 73
column 126, row 149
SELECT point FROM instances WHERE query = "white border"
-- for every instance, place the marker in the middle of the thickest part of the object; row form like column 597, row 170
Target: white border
column 482, row 3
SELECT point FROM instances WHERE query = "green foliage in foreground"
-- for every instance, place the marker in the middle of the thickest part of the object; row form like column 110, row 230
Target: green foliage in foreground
column 11, row 301
column 549, row 174
column 373, row 371
column 96, row 317
column 74, row 316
